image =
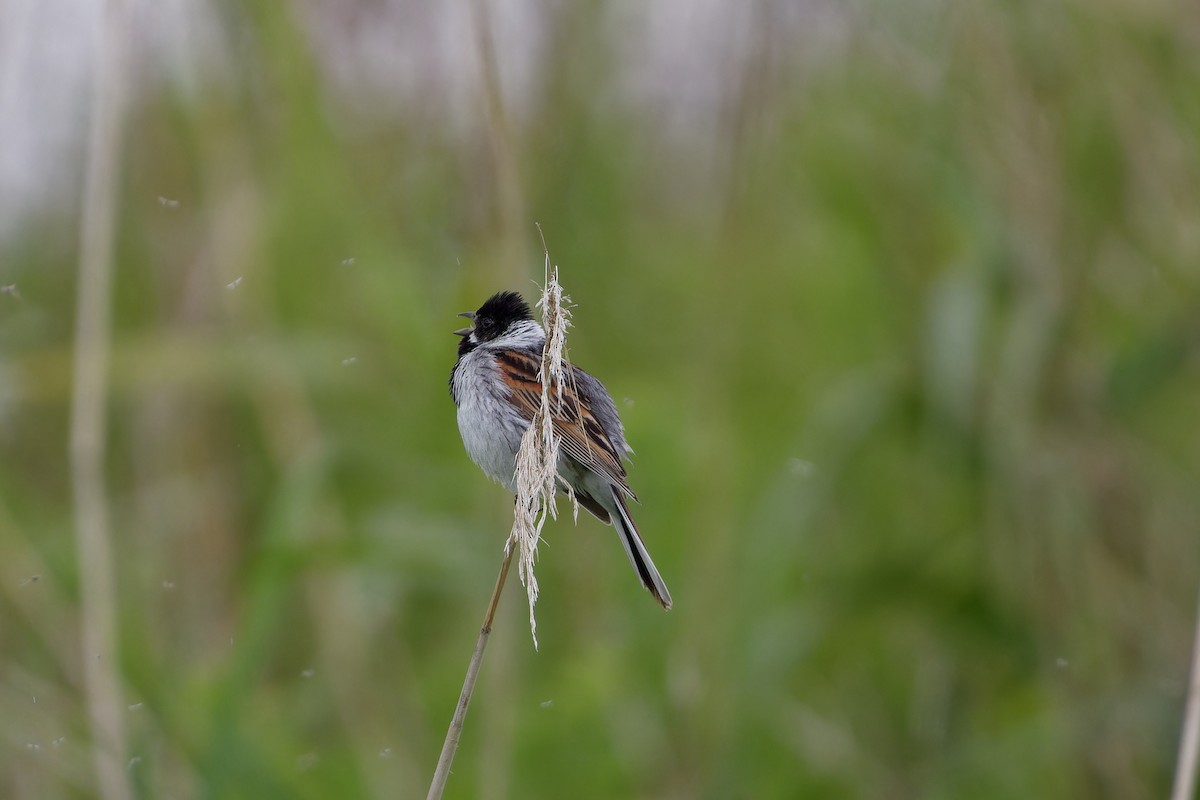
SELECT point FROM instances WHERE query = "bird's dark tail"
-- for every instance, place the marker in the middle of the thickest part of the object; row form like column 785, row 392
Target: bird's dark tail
column 636, row 550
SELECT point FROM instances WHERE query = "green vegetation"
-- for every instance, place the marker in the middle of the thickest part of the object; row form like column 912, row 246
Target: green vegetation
column 906, row 336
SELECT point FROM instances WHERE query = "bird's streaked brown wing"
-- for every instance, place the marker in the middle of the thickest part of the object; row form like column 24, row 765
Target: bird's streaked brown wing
column 583, row 437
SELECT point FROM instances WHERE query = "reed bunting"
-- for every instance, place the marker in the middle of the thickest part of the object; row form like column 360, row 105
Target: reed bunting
column 496, row 388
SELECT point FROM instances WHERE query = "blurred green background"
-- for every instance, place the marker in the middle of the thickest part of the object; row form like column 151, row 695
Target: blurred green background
column 901, row 307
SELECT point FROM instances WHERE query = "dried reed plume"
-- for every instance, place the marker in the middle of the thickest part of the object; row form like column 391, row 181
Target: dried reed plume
column 537, row 476
column 537, row 460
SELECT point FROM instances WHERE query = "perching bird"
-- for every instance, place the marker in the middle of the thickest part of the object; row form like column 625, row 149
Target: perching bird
column 496, row 387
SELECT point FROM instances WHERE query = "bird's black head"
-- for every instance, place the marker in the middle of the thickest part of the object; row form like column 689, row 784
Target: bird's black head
column 492, row 319
column 501, row 310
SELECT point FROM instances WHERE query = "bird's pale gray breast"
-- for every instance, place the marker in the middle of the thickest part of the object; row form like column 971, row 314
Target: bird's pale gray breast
column 491, row 428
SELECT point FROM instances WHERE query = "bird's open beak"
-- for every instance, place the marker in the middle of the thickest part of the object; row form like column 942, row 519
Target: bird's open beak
column 466, row 331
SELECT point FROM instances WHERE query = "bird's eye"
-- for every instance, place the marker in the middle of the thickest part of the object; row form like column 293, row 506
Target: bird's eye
column 485, row 325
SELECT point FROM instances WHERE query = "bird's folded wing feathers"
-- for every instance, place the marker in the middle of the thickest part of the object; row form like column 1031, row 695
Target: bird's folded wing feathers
column 583, row 435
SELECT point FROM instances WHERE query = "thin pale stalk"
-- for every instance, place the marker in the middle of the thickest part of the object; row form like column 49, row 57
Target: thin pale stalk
column 1189, row 743
column 98, row 619
column 450, row 746
column 509, row 198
